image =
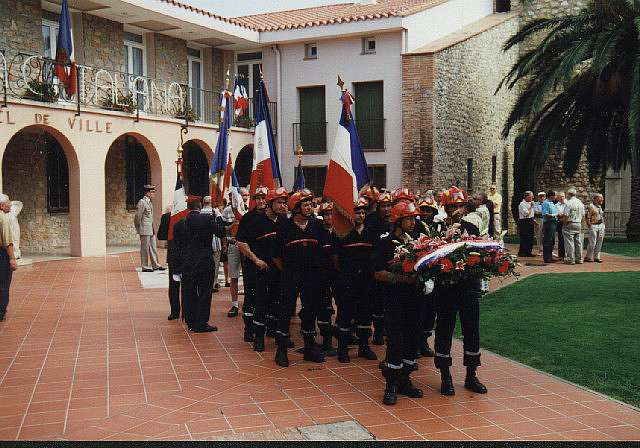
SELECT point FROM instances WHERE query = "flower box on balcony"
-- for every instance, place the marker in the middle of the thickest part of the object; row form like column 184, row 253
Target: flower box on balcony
column 40, row 91
column 124, row 103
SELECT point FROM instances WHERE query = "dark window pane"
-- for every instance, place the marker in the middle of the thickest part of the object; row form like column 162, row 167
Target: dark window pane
column 137, row 165
column 369, row 107
column 196, row 170
column 378, row 176
column 57, row 178
column 314, row 177
column 313, row 129
column 249, row 56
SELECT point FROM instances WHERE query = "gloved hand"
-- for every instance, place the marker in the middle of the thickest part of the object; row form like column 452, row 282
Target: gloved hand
column 428, row 287
column 177, row 277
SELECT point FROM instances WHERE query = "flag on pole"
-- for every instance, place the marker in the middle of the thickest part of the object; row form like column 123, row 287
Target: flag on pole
column 266, row 170
column 66, row 69
column 219, row 162
column 241, row 99
column 179, row 207
column 232, row 186
column 298, row 183
column 347, row 170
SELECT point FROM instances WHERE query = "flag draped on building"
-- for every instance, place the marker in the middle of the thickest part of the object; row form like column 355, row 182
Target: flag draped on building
column 347, row 170
column 298, row 183
column 179, row 207
column 219, row 162
column 266, row 170
column 241, row 99
column 66, row 69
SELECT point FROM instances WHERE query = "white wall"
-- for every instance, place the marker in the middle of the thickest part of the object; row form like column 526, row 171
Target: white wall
column 247, row 7
column 439, row 21
column 341, row 57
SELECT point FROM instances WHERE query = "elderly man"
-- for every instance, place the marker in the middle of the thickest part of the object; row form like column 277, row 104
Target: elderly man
column 537, row 218
column 572, row 228
column 525, row 224
column 8, row 262
column 232, row 216
column 560, row 201
column 143, row 221
column 496, row 198
column 549, row 219
column 595, row 229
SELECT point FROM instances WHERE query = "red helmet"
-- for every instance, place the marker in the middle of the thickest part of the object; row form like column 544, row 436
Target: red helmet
column 361, row 203
column 261, row 191
column 427, row 201
column 385, row 196
column 299, row 196
column 403, row 210
column 326, row 207
column 277, row 193
column 455, row 196
column 402, row 193
column 370, row 192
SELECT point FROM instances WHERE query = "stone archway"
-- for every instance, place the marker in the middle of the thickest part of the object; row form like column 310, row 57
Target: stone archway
column 195, row 168
column 40, row 169
column 131, row 162
column 244, row 165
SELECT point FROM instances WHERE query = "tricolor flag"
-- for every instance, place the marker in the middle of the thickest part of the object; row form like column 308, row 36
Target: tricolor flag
column 66, row 69
column 241, row 99
column 298, row 183
column 232, row 186
column 179, row 207
column 347, row 171
column 219, row 162
column 265, row 171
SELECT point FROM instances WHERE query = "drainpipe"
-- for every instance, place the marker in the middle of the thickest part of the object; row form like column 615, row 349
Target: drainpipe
column 279, row 101
column 405, row 40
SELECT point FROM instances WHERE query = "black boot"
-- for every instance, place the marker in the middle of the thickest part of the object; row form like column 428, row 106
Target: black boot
column 311, row 351
column 281, row 353
column 425, row 350
column 472, row 382
column 343, row 348
column 248, row 329
column 327, row 342
column 405, row 386
column 364, row 351
column 258, row 343
column 391, row 388
column 378, row 331
column 446, row 388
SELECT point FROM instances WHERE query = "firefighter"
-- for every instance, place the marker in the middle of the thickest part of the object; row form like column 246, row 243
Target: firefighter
column 298, row 255
column 371, row 194
column 453, row 299
column 327, row 281
column 402, row 306
column 376, row 225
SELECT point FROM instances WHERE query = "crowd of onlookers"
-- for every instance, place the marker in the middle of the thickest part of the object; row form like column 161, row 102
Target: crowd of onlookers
column 559, row 220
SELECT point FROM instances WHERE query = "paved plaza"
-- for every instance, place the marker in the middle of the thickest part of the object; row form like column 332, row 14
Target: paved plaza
column 86, row 353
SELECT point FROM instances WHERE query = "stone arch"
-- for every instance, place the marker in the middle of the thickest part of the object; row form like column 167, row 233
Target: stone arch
column 244, row 165
column 196, row 157
column 130, row 162
column 47, row 226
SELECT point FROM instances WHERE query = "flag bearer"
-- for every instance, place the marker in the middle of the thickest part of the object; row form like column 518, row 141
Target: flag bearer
column 298, row 255
column 327, row 282
column 352, row 255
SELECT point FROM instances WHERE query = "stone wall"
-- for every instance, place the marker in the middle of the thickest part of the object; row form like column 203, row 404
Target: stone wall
column 170, row 59
column 119, row 220
column 20, row 21
column 103, row 43
column 41, row 231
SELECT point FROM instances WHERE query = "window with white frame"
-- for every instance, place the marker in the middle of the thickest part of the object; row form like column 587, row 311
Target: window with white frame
column 311, row 51
column 50, row 38
column 135, row 63
column 368, row 45
column 194, row 60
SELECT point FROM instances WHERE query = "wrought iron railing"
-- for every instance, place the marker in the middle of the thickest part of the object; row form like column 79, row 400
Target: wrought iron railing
column 33, row 77
column 371, row 134
column 615, row 223
column 311, row 136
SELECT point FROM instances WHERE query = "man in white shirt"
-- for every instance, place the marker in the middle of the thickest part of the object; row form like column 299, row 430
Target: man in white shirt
column 572, row 228
column 560, row 207
column 537, row 218
column 525, row 224
column 234, row 261
column 496, row 198
column 216, row 244
column 595, row 228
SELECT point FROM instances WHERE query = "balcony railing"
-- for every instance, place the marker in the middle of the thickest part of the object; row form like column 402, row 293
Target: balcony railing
column 33, row 77
column 371, row 134
column 311, row 136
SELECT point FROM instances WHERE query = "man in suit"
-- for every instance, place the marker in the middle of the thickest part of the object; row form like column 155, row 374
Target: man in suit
column 143, row 222
column 172, row 262
column 193, row 238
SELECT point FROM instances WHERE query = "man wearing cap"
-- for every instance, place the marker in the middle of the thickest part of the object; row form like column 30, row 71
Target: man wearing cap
column 537, row 218
column 143, row 221
column 193, row 238
column 572, row 228
column 8, row 262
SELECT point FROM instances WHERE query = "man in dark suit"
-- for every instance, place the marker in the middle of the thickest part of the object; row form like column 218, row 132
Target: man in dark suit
column 193, row 237
column 173, row 263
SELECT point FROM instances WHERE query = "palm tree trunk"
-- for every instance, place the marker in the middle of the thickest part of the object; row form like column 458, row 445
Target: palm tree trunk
column 633, row 226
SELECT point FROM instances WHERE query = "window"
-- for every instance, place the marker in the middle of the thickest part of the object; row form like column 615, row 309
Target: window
column 311, row 51
column 50, row 38
column 135, row 63
column 469, row 175
column 194, row 65
column 248, row 71
column 314, row 177
column 137, row 170
column 368, row 45
column 378, row 176
column 494, row 169
column 57, row 178
column 249, row 56
column 369, row 113
column 311, row 132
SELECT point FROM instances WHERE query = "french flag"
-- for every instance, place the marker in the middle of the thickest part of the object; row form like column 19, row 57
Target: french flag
column 232, row 186
column 241, row 99
column 219, row 162
column 179, row 207
column 66, row 70
column 265, row 171
column 347, row 171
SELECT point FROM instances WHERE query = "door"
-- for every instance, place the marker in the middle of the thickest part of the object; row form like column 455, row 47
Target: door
column 369, row 107
column 313, row 120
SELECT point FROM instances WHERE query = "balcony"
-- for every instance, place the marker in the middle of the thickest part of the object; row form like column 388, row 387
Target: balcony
column 371, row 134
column 311, row 136
column 33, row 77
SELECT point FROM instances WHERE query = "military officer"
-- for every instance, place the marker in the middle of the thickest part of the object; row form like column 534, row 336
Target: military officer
column 143, row 221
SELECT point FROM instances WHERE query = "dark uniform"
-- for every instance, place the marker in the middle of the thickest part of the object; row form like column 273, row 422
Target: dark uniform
column 327, row 284
column 375, row 226
column 193, row 237
column 356, row 286
column 173, row 261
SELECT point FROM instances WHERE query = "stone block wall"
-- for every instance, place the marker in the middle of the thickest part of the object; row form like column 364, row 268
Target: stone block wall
column 103, row 43
column 170, row 59
column 20, row 21
column 41, row 231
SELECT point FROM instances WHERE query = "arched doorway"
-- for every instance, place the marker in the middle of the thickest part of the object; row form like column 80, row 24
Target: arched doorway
column 196, row 168
column 244, row 165
column 40, row 169
column 131, row 163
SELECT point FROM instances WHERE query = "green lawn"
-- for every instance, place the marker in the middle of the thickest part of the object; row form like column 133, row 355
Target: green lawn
column 582, row 327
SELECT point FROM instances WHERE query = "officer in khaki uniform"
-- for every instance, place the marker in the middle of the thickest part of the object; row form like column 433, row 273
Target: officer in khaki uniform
column 8, row 262
column 143, row 222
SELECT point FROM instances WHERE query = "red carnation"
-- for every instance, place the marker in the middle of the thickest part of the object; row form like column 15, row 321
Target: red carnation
column 504, row 267
column 446, row 265
column 407, row 265
column 473, row 259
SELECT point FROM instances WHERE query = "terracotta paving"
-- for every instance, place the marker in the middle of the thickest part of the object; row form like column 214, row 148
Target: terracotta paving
column 86, row 353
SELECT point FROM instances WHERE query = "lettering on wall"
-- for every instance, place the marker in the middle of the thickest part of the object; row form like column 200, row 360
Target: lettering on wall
column 89, row 125
column 5, row 117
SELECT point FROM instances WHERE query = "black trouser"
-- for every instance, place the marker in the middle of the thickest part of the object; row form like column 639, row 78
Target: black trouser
column 548, row 240
column 249, row 279
column 560, row 240
column 196, row 292
column 174, row 293
column 401, row 318
column 305, row 283
column 377, row 313
column 325, row 307
column 427, row 315
column 462, row 298
column 526, row 236
column 354, row 303
column 5, row 281
column 266, row 298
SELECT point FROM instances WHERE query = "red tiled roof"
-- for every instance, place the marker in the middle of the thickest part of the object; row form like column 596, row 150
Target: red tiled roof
column 204, row 12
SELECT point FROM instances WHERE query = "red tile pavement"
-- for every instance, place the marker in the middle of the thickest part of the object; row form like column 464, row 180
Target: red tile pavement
column 87, row 353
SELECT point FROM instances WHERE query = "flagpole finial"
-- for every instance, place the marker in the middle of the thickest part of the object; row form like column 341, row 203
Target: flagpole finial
column 261, row 74
column 298, row 152
column 340, row 83
column 226, row 82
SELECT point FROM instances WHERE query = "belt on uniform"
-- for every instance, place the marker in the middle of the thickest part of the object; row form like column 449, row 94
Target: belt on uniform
column 266, row 235
column 358, row 245
column 304, row 242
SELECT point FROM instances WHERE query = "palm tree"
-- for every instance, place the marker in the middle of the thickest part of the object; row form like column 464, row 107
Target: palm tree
column 580, row 94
